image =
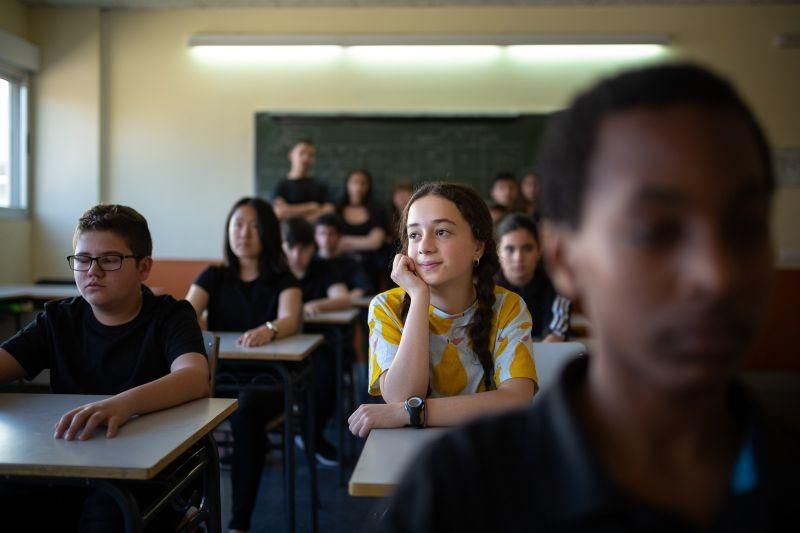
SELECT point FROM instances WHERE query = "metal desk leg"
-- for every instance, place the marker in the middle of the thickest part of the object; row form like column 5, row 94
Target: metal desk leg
column 288, row 451
column 130, row 509
column 211, row 486
column 311, row 448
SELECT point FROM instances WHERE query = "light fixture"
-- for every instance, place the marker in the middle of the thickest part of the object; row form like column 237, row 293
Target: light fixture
column 426, row 48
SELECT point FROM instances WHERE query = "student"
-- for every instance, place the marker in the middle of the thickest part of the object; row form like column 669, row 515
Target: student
column 364, row 225
column 116, row 338
column 328, row 236
column 497, row 212
column 656, row 189
column 447, row 332
column 504, row 191
column 253, row 292
column 322, row 284
column 401, row 193
column 323, row 290
column 521, row 272
column 299, row 195
column 529, row 189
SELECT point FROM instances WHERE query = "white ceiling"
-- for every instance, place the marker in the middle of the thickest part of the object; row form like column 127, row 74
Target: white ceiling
column 171, row 4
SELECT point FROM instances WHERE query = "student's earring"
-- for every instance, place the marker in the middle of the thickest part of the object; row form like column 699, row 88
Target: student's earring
column 477, row 262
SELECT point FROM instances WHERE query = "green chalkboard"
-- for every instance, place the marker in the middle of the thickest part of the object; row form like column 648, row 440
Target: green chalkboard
column 466, row 149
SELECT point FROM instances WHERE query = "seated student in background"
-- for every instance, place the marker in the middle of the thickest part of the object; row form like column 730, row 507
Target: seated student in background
column 116, row 338
column 364, row 224
column 401, row 193
column 521, row 271
column 504, row 192
column 253, row 292
column 300, row 195
column 447, row 345
column 328, row 235
column 497, row 212
column 323, row 285
column 529, row 191
column 323, row 290
column 656, row 191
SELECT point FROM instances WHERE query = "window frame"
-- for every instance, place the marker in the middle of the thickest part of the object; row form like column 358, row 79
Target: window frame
column 19, row 137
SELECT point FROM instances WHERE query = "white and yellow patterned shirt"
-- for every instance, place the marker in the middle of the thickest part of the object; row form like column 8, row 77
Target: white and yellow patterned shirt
column 455, row 368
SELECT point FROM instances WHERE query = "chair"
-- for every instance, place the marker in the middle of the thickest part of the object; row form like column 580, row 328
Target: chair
column 211, row 343
column 550, row 358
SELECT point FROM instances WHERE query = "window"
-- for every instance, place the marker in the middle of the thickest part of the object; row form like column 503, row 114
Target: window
column 13, row 141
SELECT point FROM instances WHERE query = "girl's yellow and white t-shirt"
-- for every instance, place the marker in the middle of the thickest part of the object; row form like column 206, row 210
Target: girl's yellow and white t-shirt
column 455, row 368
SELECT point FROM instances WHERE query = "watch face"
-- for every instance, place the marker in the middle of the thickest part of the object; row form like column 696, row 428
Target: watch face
column 415, row 402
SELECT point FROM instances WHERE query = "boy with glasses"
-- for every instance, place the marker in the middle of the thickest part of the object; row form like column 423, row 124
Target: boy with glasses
column 117, row 338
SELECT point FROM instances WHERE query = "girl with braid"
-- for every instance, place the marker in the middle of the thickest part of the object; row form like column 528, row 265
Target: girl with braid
column 447, row 345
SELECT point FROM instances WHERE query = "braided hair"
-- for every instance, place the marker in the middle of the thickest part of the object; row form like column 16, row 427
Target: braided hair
column 474, row 210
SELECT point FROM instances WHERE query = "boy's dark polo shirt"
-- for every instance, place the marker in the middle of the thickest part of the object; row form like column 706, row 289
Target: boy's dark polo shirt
column 87, row 357
column 535, row 470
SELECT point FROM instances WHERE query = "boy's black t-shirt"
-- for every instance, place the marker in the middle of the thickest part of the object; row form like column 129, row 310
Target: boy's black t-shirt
column 539, row 295
column 87, row 357
column 320, row 275
column 236, row 305
column 351, row 271
column 300, row 191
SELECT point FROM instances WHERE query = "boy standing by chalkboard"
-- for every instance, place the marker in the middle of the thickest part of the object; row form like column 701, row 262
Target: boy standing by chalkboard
column 300, row 195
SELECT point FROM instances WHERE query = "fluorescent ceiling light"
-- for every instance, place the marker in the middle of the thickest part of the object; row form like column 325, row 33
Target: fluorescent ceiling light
column 422, row 48
column 559, row 52
column 424, row 53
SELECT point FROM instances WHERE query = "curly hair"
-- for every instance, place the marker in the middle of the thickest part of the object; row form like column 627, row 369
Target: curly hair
column 474, row 210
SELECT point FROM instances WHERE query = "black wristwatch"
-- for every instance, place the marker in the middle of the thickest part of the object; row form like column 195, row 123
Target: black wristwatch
column 415, row 405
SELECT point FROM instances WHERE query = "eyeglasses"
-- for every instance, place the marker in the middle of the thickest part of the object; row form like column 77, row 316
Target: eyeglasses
column 83, row 263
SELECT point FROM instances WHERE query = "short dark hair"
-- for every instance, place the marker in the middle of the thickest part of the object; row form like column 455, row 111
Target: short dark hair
column 331, row 220
column 570, row 137
column 303, row 140
column 121, row 220
column 297, row 230
column 516, row 221
column 503, row 176
column 272, row 259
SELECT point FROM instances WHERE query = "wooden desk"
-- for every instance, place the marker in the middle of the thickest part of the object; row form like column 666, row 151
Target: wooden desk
column 37, row 292
column 341, row 317
column 294, row 348
column 141, row 450
column 255, row 369
column 385, row 457
column 363, row 301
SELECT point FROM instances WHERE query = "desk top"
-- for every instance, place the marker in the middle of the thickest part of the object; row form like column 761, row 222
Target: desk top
column 363, row 301
column 385, row 457
column 342, row 316
column 294, row 348
column 39, row 292
column 141, row 449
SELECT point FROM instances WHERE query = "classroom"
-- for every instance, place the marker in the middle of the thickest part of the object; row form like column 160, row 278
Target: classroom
column 118, row 104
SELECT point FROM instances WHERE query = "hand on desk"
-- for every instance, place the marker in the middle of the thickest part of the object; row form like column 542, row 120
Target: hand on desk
column 112, row 412
column 255, row 337
column 375, row 416
column 311, row 309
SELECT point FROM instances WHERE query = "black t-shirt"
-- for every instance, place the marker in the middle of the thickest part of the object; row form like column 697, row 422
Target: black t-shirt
column 351, row 271
column 538, row 470
column 540, row 298
column 377, row 219
column 235, row 305
column 300, row 191
column 320, row 275
column 87, row 357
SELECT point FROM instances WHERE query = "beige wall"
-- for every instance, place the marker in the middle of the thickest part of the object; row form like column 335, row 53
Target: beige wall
column 178, row 133
column 66, row 147
column 14, row 17
column 14, row 233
